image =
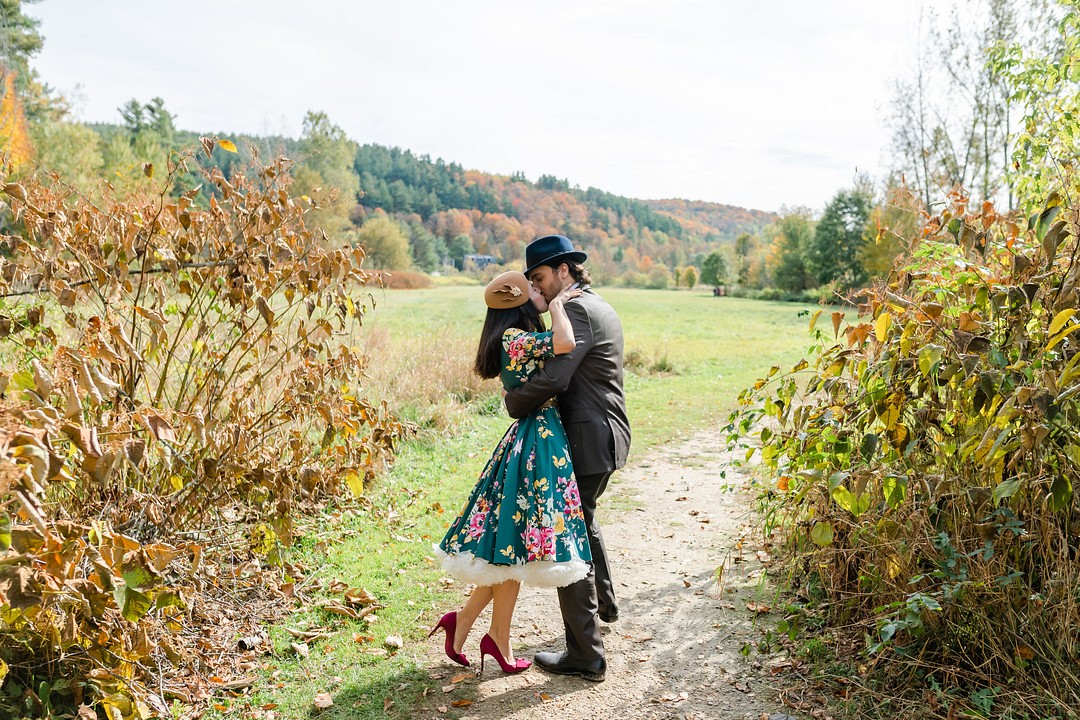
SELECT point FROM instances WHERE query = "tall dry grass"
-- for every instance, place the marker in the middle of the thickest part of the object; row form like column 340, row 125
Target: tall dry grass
column 428, row 378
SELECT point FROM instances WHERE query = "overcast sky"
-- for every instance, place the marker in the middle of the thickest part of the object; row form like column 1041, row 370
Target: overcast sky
column 758, row 103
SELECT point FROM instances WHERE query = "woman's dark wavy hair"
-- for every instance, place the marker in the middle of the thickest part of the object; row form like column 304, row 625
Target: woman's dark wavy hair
column 489, row 354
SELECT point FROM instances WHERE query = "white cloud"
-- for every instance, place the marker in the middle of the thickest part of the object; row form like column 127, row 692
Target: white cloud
column 754, row 104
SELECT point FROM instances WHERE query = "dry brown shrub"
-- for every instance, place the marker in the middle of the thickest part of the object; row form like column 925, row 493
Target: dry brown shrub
column 178, row 369
column 401, row 279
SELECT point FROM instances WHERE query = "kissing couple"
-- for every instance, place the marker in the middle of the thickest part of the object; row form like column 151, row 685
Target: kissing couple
column 531, row 516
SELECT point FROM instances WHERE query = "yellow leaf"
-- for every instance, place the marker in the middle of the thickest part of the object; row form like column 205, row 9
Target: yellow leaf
column 881, row 326
column 227, row 145
column 1061, row 336
column 355, row 482
column 1060, row 319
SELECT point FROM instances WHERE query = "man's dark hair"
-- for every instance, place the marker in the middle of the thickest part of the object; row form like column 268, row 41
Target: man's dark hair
column 498, row 321
column 577, row 271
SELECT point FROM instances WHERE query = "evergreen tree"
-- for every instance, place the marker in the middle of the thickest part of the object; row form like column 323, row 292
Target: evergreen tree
column 426, row 248
column 19, row 41
column 459, row 247
column 834, row 253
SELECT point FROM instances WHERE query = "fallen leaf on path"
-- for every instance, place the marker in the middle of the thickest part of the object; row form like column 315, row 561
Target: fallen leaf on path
column 387, row 703
column 359, row 596
column 301, row 649
column 544, row 697
column 461, row 703
column 680, row 499
column 448, row 688
column 462, row 677
column 307, row 635
column 339, row 609
column 742, row 687
column 686, row 583
column 758, row 608
column 324, row 701
column 394, row 641
column 763, row 556
column 673, row 697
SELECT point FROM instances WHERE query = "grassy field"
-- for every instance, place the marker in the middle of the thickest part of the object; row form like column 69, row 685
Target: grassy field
column 688, row 355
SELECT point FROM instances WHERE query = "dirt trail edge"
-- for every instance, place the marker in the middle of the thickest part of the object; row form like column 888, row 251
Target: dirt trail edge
column 670, row 521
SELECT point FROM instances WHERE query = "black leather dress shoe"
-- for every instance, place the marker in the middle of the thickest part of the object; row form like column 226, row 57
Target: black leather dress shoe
column 608, row 613
column 560, row 664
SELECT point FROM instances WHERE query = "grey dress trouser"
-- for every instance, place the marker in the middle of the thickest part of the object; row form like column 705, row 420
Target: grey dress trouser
column 579, row 601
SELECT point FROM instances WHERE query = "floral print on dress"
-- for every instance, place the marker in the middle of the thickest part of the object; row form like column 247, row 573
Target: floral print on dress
column 525, row 508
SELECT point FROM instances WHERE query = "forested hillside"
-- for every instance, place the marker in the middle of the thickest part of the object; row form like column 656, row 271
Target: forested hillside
column 447, row 214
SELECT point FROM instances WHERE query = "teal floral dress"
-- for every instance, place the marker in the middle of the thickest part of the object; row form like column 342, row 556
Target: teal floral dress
column 523, row 520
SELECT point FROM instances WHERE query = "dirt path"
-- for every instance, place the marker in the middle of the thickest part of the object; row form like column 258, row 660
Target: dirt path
column 669, row 522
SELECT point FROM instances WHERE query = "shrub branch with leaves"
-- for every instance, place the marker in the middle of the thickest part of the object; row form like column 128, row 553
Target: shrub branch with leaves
column 173, row 368
column 923, row 466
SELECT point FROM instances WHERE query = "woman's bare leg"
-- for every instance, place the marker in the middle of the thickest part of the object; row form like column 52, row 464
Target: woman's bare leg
column 505, row 596
column 468, row 613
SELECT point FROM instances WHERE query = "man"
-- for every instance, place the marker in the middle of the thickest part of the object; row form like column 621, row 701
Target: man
column 589, row 384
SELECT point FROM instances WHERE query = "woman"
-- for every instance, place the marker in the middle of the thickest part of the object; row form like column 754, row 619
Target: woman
column 523, row 520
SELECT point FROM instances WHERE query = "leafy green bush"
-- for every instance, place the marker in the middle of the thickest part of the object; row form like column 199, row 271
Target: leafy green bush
column 922, row 463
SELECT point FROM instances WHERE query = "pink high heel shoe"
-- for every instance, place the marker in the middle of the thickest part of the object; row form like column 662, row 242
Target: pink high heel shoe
column 488, row 647
column 448, row 622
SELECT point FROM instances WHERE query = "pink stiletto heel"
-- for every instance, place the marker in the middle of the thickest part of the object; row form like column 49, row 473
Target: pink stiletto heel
column 448, row 622
column 488, row 647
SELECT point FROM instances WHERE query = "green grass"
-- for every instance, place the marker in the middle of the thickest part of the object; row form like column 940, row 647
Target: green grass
column 384, row 547
column 692, row 354
column 688, row 353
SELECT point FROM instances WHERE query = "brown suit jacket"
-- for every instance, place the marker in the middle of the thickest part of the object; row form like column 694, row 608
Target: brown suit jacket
column 589, row 384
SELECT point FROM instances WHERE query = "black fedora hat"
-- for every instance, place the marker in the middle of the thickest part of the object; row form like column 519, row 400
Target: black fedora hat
column 550, row 248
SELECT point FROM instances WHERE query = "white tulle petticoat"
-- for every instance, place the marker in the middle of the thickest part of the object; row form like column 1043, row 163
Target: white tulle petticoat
column 539, row 573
